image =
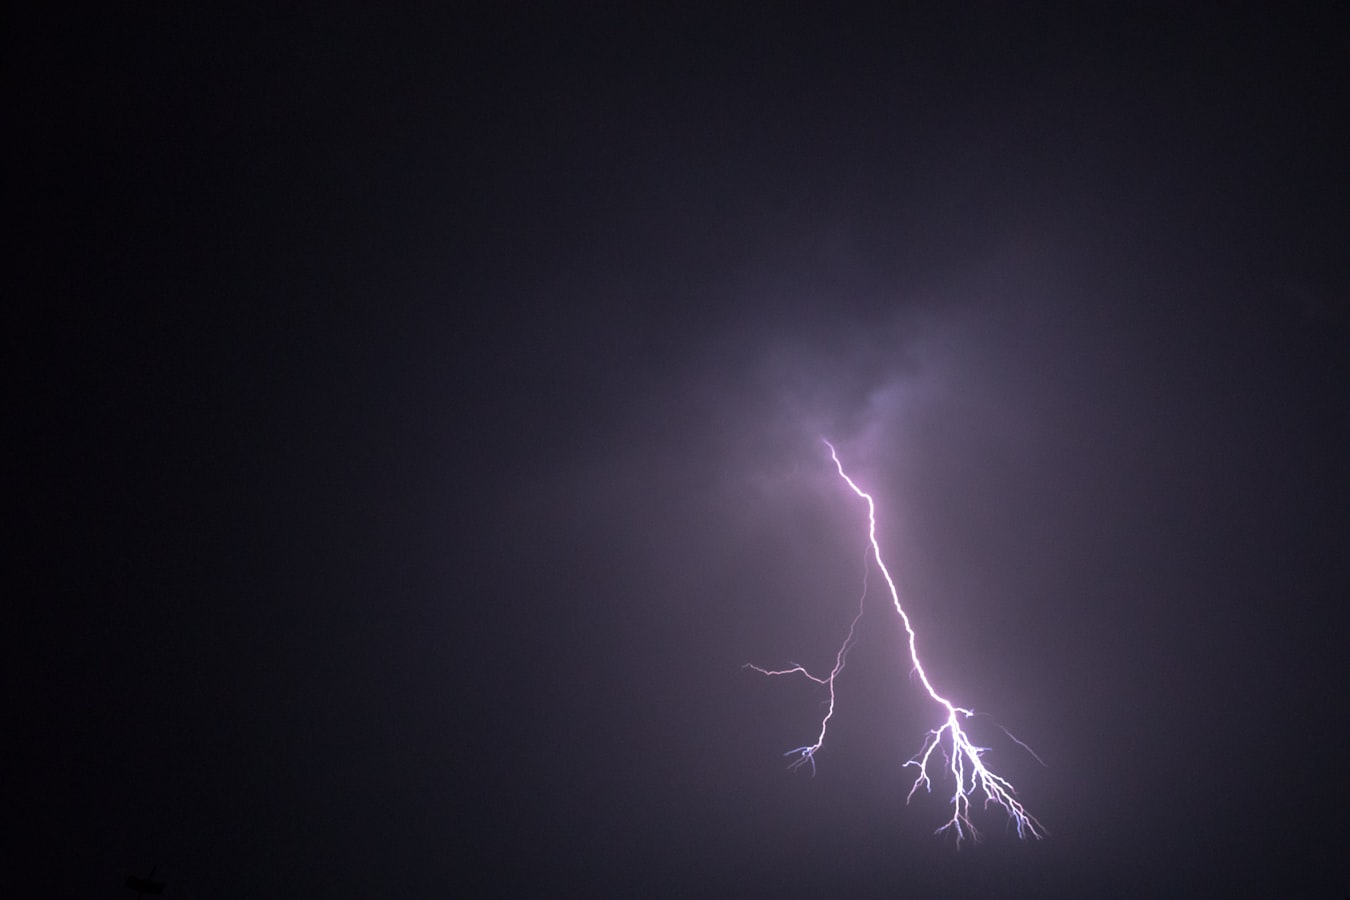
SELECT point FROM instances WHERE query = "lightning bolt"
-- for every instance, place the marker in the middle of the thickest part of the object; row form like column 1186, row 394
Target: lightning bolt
column 962, row 758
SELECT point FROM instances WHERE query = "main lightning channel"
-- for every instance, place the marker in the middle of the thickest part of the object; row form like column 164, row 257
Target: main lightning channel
column 963, row 759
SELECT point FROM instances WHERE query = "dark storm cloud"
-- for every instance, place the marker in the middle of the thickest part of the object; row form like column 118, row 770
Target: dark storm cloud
column 424, row 428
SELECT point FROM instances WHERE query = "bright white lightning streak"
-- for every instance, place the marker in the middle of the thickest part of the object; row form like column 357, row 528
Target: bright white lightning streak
column 962, row 758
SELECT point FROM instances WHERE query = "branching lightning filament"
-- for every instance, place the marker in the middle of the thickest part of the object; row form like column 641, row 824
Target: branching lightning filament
column 961, row 759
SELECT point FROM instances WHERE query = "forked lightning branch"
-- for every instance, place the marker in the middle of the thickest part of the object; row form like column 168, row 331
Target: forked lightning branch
column 947, row 754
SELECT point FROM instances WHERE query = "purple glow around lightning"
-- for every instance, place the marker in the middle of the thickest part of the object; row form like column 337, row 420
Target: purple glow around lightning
column 962, row 759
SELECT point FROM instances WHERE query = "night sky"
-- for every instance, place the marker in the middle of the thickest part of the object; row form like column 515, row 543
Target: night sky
column 415, row 424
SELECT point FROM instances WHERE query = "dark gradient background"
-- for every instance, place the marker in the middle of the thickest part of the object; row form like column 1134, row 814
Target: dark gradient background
column 414, row 426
